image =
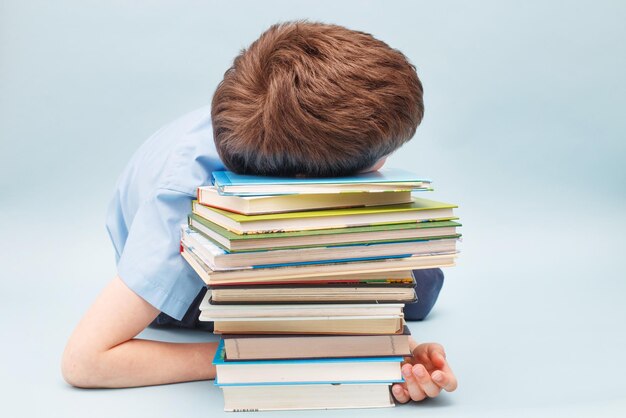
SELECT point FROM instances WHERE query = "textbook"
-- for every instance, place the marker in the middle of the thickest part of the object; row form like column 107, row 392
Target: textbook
column 387, row 179
column 372, row 234
column 312, row 271
column 286, row 346
column 318, row 370
column 313, row 396
column 419, row 210
column 250, row 205
column 218, row 259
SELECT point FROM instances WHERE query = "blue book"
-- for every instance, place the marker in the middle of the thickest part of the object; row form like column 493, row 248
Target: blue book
column 306, row 371
column 389, row 179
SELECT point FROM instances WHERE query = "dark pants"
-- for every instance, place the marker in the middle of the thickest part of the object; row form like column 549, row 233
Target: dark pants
column 428, row 283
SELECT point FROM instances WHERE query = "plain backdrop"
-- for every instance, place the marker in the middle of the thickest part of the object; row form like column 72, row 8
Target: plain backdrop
column 524, row 129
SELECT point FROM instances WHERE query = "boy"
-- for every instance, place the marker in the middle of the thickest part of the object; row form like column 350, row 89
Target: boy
column 305, row 99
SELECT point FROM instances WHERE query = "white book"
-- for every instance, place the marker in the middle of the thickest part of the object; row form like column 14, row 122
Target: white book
column 295, row 397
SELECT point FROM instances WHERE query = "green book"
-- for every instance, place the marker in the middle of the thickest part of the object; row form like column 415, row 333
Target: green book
column 420, row 210
column 324, row 237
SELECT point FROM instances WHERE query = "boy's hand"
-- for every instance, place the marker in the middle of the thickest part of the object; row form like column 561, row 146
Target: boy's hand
column 425, row 374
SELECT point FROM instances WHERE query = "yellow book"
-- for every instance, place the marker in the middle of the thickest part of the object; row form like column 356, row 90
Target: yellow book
column 419, row 210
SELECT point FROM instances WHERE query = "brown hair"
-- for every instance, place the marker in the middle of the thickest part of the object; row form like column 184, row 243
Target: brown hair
column 316, row 100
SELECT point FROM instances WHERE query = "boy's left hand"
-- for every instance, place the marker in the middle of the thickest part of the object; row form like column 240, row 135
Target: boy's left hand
column 425, row 374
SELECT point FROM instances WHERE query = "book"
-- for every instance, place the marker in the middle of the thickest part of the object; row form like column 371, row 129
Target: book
column 419, row 210
column 312, row 272
column 372, row 234
column 219, row 259
column 261, row 312
column 368, row 325
column 285, row 346
column 250, row 205
column 304, row 318
column 380, row 279
column 314, row 396
column 399, row 290
column 387, row 179
column 318, row 370
column 307, row 293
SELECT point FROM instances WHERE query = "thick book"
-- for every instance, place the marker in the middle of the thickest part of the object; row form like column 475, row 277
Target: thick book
column 379, row 280
column 312, row 272
column 283, row 346
column 306, row 293
column 219, row 259
column 419, row 210
column 316, row 370
column 297, row 397
column 400, row 290
column 323, row 325
column 251, row 205
column 304, row 318
column 387, row 179
column 372, row 234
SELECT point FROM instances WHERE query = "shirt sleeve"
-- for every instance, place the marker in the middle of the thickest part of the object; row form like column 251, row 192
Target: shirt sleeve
column 150, row 262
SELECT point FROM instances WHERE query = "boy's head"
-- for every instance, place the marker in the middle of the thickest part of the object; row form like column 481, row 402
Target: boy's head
column 315, row 100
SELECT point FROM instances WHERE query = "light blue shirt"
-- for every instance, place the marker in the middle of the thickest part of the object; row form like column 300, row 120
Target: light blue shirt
column 152, row 199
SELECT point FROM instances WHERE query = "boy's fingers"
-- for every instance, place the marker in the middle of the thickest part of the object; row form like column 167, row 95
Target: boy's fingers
column 425, row 382
column 400, row 393
column 438, row 358
column 413, row 387
column 435, row 348
column 445, row 381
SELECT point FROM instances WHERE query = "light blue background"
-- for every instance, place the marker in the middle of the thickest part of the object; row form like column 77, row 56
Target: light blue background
column 524, row 128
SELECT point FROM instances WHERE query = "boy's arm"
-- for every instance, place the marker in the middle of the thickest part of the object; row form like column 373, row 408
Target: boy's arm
column 102, row 351
column 425, row 374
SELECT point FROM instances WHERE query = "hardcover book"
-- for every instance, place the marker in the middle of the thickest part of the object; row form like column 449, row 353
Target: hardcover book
column 285, row 346
column 315, row 370
column 253, row 398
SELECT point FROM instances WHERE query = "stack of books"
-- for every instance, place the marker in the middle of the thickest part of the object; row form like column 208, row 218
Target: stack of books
column 307, row 282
